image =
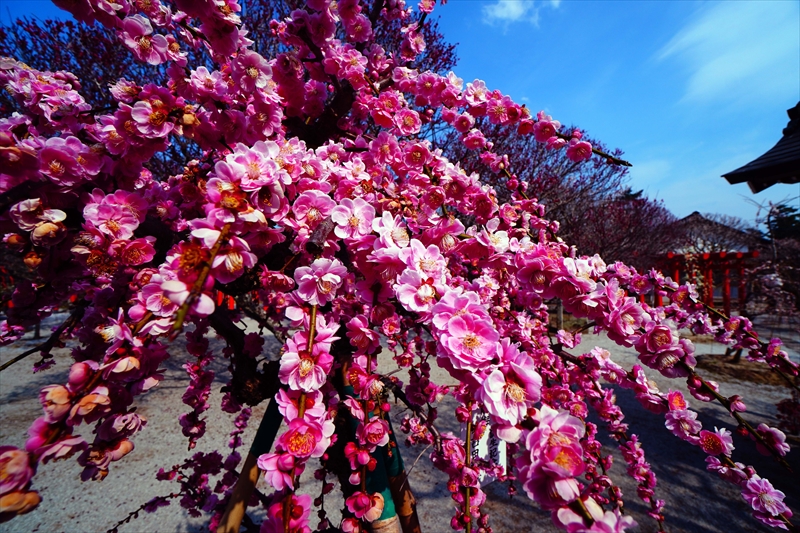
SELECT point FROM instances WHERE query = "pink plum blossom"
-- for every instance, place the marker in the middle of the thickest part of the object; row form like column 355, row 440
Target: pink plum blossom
column 456, row 303
column 208, row 85
column 29, row 214
column 624, row 320
column 134, row 253
column 304, row 439
column 733, row 473
column 374, row 433
column 232, row 260
column 545, row 127
column 90, row 407
column 317, row 283
column 112, row 220
column 464, row 122
column 156, row 301
column 18, row 503
column 676, row 401
column 553, row 458
column 774, row 438
column 407, row 122
column 470, row 342
column 429, row 261
column 579, row 150
column 365, row 506
column 280, row 469
column 312, row 207
column 58, row 161
column 509, row 391
column 353, row 218
column 361, row 335
column 476, row 93
column 763, row 497
column 684, row 424
column 304, row 371
column 474, row 139
column 288, row 404
column 300, row 505
column 610, row 522
column 251, row 71
column 136, row 34
column 260, row 168
column 718, row 442
column 391, row 230
column 177, row 292
column 357, row 456
column 117, row 214
column 121, row 426
column 416, row 292
column 151, row 121
column 42, row 441
column 602, row 521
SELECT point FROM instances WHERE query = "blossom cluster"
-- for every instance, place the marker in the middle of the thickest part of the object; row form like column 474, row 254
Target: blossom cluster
column 322, row 200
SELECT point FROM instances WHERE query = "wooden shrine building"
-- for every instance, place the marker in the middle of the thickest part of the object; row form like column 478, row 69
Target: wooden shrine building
column 713, row 255
column 724, row 268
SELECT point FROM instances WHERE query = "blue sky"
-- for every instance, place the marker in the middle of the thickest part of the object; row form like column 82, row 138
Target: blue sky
column 688, row 90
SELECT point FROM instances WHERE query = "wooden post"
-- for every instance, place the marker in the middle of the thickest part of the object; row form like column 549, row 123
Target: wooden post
column 676, row 269
column 742, row 289
column 726, row 289
column 674, row 262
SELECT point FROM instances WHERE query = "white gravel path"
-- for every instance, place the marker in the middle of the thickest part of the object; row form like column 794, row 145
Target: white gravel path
column 696, row 500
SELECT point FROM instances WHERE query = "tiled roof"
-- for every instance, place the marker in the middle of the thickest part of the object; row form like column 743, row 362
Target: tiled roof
column 780, row 164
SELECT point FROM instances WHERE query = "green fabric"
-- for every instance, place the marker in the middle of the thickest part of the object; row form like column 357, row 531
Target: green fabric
column 394, row 464
column 268, row 430
column 378, row 479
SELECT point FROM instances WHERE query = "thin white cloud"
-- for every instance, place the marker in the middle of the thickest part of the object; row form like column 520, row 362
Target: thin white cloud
column 739, row 51
column 507, row 11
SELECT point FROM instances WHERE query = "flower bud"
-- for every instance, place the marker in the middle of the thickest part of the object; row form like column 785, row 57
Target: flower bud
column 120, row 450
column 55, row 400
column 32, row 260
column 285, row 462
column 79, row 374
column 15, row 469
column 737, row 405
column 15, row 241
column 48, row 233
column 16, row 503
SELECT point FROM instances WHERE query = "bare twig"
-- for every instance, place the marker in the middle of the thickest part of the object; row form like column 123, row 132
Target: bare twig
column 50, row 343
column 400, row 395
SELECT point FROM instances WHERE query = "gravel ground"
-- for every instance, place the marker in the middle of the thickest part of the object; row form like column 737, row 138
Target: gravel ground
column 696, row 500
